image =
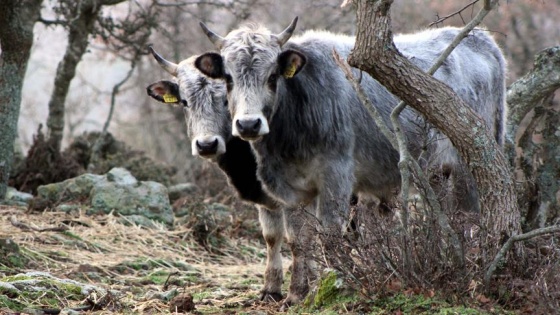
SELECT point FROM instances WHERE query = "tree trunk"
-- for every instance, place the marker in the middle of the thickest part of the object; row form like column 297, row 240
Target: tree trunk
column 80, row 26
column 540, row 163
column 17, row 18
column 376, row 54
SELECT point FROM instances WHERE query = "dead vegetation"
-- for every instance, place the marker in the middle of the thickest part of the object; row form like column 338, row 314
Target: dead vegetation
column 384, row 261
column 43, row 164
column 143, row 268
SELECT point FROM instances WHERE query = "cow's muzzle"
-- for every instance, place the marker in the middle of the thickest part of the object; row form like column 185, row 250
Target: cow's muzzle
column 249, row 128
column 207, row 147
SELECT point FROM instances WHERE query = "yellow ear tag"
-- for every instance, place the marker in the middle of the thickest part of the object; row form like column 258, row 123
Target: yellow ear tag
column 289, row 73
column 169, row 98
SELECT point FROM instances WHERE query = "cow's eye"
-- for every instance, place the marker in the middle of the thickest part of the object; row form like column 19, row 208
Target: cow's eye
column 272, row 81
column 226, row 103
column 273, row 78
column 185, row 103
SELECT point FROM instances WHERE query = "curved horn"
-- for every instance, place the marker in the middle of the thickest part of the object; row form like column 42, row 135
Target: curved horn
column 287, row 33
column 216, row 39
column 166, row 65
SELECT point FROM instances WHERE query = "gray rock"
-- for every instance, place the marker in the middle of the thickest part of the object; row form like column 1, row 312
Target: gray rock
column 117, row 191
column 18, row 196
column 181, row 190
column 68, row 208
column 70, row 189
column 121, row 176
column 149, row 199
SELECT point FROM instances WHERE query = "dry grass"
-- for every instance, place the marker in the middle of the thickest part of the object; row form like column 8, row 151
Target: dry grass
column 127, row 258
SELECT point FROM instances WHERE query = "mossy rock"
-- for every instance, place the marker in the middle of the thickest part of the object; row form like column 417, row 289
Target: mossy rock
column 38, row 290
column 10, row 255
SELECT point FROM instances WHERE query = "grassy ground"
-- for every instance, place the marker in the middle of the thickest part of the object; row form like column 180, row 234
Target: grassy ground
column 140, row 265
column 124, row 269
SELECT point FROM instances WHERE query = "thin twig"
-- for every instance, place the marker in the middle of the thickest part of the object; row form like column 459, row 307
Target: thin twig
column 364, row 99
column 402, row 147
column 114, row 93
column 439, row 20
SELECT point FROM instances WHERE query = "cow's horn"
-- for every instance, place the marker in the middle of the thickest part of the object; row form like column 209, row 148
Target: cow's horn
column 216, row 39
column 166, row 65
column 287, row 33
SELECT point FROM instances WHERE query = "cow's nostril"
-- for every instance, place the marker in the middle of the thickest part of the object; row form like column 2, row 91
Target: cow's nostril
column 256, row 126
column 207, row 147
column 239, row 125
column 249, row 127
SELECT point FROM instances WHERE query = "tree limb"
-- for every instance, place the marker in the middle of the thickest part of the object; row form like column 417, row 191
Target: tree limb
column 439, row 20
column 443, row 108
column 525, row 93
column 509, row 243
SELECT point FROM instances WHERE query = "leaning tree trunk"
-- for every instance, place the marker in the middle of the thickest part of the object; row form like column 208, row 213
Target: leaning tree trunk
column 17, row 18
column 81, row 24
column 376, row 54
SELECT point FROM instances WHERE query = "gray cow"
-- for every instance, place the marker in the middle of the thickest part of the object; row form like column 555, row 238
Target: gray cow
column 313, row 139
column 209, row 127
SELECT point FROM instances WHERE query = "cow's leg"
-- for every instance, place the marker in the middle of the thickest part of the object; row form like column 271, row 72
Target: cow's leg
column 273, row 232
column 299, row 231
column 337, row 180
column 333, row 208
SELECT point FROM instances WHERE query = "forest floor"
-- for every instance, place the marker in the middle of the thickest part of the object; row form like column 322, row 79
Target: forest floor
column 143, row 266
column 137, row 270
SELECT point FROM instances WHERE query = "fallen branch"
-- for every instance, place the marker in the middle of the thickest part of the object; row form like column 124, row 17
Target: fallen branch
column 509, row 243
column 25, row 227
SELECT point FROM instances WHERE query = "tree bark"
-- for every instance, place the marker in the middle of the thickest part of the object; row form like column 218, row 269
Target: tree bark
column 376, row 54
column 17, row 18
column 528, row 92
column 80, row 25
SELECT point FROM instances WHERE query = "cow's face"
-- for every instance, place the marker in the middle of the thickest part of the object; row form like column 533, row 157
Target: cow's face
column 204, row 103
column 252, row 63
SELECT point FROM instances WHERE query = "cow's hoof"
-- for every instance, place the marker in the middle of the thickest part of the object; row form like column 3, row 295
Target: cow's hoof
column 271, row 297
column 288, row 302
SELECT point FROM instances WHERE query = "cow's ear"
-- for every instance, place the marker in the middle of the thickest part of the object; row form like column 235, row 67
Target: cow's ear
column 290, row 62
column 211, row 64
column 164, row 91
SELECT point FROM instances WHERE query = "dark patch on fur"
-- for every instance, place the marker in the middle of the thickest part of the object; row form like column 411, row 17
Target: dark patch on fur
column 240, row 166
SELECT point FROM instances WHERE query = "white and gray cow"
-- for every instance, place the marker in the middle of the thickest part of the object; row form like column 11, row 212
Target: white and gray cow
column 313, row 139
column 209, row 128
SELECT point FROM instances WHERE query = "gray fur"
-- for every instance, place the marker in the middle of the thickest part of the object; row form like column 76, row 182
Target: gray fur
column 318, row 141
column 208, row 120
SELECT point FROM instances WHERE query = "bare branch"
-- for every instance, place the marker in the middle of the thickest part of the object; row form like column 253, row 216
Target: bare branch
column 432, row 98
column 440, row 20
column 525, row 93
column 99, row 142
column 26, row 227
column 364, row 99
column 507, row 246
column 114, row 93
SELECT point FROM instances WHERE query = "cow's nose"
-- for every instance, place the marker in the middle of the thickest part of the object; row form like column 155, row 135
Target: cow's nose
column 207, row 147
column 249, row 127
